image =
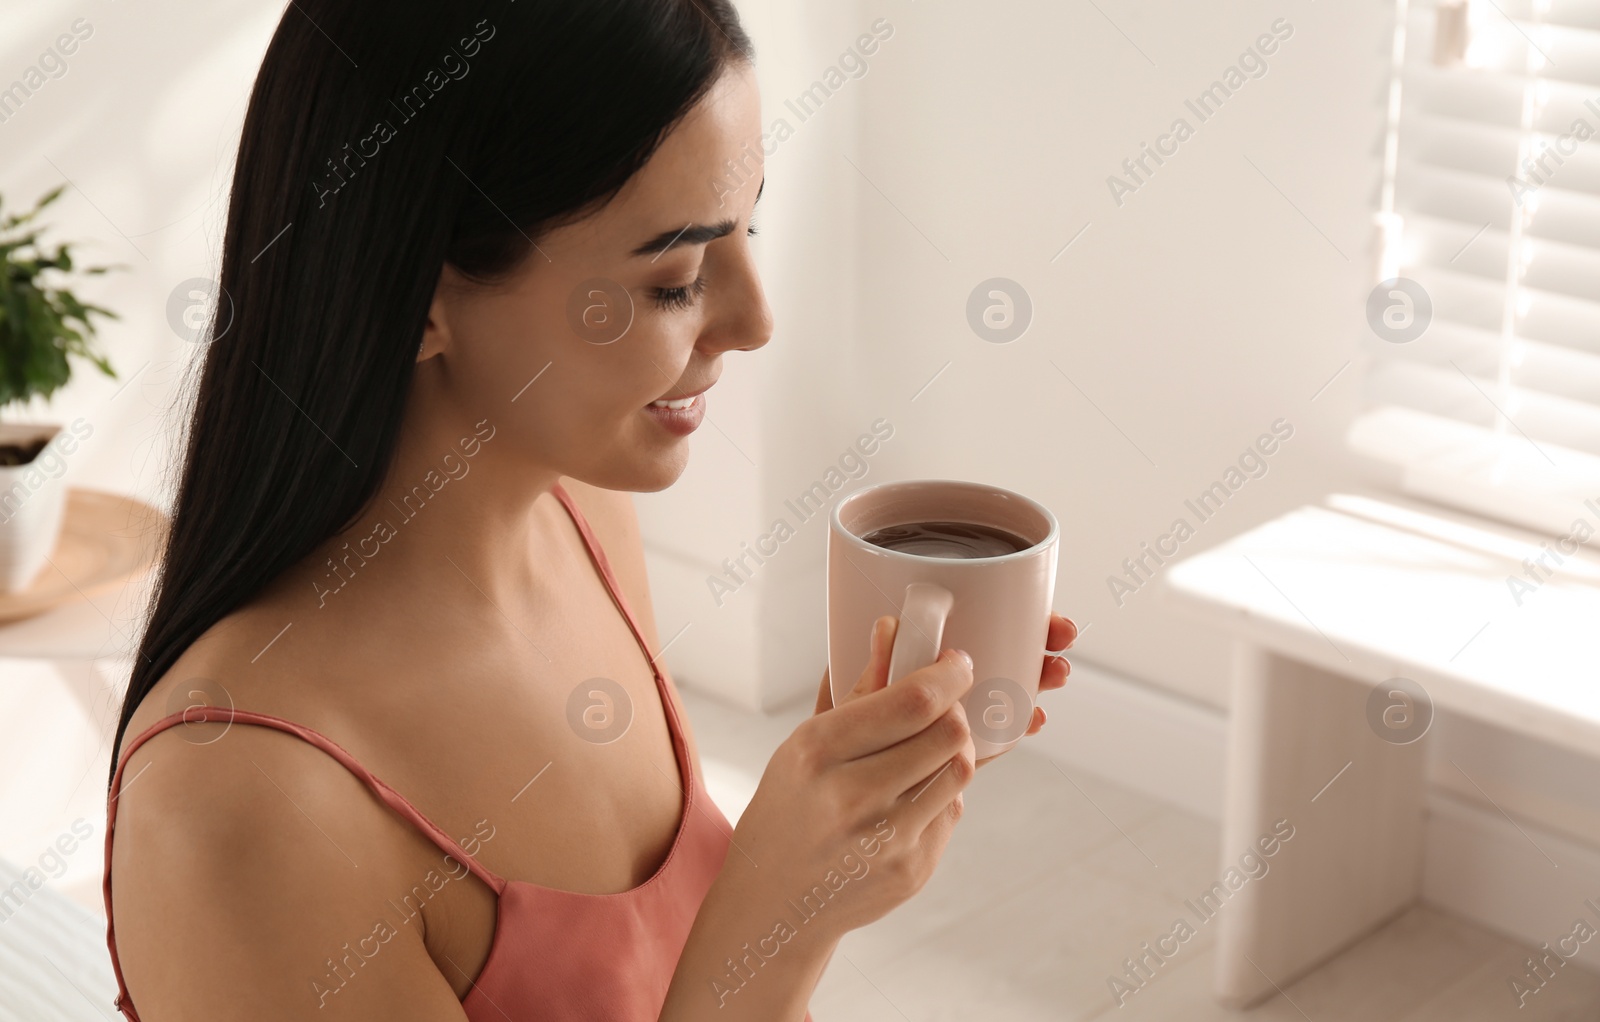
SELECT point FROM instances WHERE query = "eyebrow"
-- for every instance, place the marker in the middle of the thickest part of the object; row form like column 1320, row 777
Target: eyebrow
column 693, row 234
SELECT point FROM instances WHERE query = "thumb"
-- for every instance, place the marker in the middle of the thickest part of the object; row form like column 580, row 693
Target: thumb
column 876, row 675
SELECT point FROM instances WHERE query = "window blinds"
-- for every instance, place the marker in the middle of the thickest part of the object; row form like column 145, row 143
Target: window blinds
column 1491, row 202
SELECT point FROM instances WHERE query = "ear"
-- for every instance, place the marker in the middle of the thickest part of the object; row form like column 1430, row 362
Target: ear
column 436, row 337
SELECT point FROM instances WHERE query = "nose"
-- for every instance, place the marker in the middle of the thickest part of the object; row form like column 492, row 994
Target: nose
column 742, row 320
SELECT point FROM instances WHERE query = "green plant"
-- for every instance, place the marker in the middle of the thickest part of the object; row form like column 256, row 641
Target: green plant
column 40, row 325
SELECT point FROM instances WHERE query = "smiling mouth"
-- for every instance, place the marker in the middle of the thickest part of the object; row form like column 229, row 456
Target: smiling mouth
column 676, row 404
column 679, row 416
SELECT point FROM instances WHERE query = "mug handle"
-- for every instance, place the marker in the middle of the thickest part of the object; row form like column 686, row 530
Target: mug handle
column 923, row 613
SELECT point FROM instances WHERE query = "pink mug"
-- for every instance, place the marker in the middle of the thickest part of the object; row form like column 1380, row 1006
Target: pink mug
column 996, row 608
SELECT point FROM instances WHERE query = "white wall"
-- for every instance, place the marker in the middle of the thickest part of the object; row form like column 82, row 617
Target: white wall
column 1224, row 294
column 143, row 124
column 1188, row 319
column 1192, row 316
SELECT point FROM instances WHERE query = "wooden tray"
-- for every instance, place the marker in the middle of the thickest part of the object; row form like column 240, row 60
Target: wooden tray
column 106, row 539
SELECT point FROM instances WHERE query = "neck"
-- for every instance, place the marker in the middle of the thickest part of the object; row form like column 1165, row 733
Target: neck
column 456, row 512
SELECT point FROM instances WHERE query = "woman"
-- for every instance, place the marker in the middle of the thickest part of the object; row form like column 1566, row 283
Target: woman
column 480, row 266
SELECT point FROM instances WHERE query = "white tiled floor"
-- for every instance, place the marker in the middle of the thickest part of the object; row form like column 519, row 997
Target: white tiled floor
column 1054, row 878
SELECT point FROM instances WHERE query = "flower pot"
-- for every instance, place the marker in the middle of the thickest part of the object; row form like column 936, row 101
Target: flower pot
column 32, row 501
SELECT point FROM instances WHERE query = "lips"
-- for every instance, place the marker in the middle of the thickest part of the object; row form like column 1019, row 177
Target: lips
column 683, row 400
column 678, row 416
column 676, row 404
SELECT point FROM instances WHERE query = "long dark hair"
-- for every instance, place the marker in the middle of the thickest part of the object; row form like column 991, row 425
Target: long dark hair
column 383, row 141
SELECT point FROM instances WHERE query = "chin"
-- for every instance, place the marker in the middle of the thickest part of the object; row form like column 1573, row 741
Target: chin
column 643, row 471
column 664, row 471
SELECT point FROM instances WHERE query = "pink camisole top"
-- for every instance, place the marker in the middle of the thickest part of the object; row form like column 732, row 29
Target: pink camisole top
column 556, row 956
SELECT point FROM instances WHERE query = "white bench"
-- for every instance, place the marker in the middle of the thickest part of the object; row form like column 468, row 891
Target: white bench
column 1328, row 604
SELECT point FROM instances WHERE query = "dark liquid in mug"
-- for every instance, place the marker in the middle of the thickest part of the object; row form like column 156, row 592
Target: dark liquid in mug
column 947, row 539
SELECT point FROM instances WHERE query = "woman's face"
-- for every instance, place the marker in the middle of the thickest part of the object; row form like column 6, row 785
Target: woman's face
column 616, row 314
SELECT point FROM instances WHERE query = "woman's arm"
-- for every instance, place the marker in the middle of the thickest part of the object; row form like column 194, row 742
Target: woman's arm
column 252, row 878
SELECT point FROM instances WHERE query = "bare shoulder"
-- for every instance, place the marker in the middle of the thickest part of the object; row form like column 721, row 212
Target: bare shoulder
column 244, row 859
column 205, row 673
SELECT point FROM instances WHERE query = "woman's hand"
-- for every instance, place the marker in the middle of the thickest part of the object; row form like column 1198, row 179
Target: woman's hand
column 849, row 821
column 856, row 806
column 850, row 818
column 1063, row 632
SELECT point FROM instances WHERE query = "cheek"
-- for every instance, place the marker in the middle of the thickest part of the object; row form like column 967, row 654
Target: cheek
column 511, row 348
column 573, row 402
column 647, row 362
column 591, row 397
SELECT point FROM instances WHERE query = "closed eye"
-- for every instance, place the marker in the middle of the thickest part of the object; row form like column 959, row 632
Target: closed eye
column 676, row 298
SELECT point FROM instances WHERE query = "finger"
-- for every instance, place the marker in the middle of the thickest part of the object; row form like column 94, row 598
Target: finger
column 1034, row 725
column 1054, row 674
column 935, row 835
column 905, row 767
column 880, row 719
column 1063, row 632
column 879, row 649
column 879, row 645
column 926, row 805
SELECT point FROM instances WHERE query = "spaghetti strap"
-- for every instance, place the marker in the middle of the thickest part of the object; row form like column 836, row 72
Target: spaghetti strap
column 680, row 745
column 393, row 799
column 598, row 555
